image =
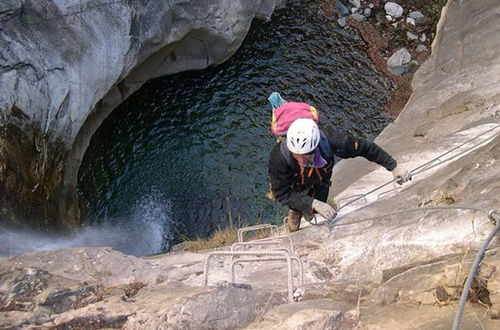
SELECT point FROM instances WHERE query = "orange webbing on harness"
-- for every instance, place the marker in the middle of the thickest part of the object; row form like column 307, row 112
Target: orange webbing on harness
column 302, row 180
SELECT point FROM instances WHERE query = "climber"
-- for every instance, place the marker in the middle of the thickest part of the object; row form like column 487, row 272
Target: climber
column 300, row 167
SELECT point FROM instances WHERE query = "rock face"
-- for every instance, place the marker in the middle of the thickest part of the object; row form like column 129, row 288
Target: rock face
column 65, row 66
column 454, row 90
column 371, row 269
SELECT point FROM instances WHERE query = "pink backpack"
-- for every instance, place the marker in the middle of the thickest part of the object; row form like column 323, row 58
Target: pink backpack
column 287, row 113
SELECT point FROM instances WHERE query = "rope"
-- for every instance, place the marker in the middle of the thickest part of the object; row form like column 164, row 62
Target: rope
column 473, row 271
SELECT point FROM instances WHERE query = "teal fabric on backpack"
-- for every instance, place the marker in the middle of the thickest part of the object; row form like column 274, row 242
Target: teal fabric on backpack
column 276, row 100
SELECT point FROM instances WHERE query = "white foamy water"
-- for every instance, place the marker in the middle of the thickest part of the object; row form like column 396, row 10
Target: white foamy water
column 139, row 233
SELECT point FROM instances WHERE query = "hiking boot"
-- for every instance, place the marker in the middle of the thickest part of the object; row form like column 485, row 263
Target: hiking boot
column 294, row 220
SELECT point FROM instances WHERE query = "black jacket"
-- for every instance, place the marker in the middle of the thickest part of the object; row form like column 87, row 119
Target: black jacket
column 291, row 184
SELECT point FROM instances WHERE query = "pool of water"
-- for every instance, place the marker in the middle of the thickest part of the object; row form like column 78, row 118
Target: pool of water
column 187, row 154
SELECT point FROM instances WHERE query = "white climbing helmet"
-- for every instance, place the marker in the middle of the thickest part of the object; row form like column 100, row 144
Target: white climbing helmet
column 302, row 136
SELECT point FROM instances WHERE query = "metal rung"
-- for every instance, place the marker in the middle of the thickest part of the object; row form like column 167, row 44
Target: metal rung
column 257, row 243
column 280, row 254
column 267, row 241
column 296, row 259
column 285, row 224
column 282, row 238
column 257, row 227
column 394, row 189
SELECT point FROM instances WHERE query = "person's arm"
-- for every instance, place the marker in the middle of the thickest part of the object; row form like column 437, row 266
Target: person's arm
column 281, row 184
column 346, row 146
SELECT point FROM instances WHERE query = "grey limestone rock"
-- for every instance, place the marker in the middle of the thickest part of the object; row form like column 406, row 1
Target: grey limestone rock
column 66, row 65
column 410, row 20
column 344, row 11
column 411, row 36
column 393, row 9
column 358, row 17
column 416, row 15
column 396, row 62
column 421, row 48
column 342, row 21
column 355, row 3
column 400, row 268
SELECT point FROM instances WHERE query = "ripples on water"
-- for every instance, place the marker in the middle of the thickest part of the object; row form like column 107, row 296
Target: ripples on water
column 187, row 154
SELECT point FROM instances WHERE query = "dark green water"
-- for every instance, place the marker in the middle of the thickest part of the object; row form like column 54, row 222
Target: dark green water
column 187, row 154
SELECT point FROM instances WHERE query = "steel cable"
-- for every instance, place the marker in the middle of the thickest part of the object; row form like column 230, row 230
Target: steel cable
column 426, row 166
column 424, row 208
column 473, row 271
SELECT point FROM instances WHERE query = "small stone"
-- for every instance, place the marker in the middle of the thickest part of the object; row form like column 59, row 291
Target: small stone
column 401, row 57
column 416, row 15
column 371, row 5
column 393, row 9
column 342, row 21
column 355, row 3
column 414, row 63
column 421, row 48
column 358, row 17
column 354, row 9
column 344, row 11
column 423, row 37
column 388, row 18
column 396, row 70
column 411, row 36
column 410, row 20
column 395, row 25
column 367, row 12
column 395, row 64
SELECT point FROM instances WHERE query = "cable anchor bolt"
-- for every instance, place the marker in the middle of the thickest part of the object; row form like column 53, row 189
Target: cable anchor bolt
column 494, row 216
